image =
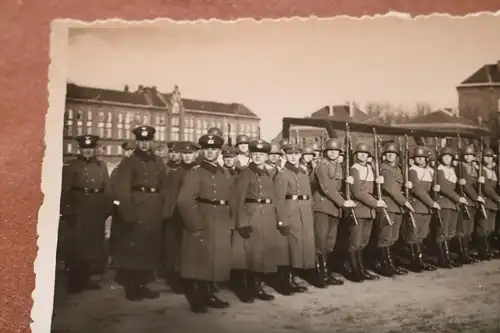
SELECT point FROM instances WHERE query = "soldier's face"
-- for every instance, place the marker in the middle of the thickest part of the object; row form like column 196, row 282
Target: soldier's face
column 88, row 152
column 188, row 157
column 243, row 148
column 308, row 157
column 144, row 145
column 332, row 154
column 411, row 161
column 446, row 159
column 229, row 161
column 273, row 158
column 258, row 158
column 390, row 157
column 211, row 154
column 488, row 160
column 420, row 161
column 468, row 158
column 174, row 156
column 293, row 158
column 362, row 157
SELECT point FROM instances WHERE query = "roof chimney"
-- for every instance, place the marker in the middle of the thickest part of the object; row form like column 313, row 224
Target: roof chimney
column 330, row 110
column 126, row 88
column 351, row 109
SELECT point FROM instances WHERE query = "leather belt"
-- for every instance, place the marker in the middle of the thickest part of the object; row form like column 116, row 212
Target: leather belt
column 213, row 202
column 144, row 189
column 296, row 197
column 88, row 190
column 259, row 200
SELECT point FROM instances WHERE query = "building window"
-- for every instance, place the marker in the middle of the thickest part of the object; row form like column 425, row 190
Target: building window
column 89, row 130
column 191, row 122
column 198, row 123
column 145, row 120
column 242, row 128
column 119, row 150
column 128, row 118
column 101, row 132
column 79, row 130
column 157, row 120
column 120, row 117
column 161, row 133
column 175, row 121
column 205, row 124
column 174, row 135
column 109, row 150
column 110, row 116
column 198, row 132
column 127, row 134
column 119, row 133
column 79, row 115
column 70, row 114
column 69, row 148
column 89, row 115
column 101, row 116
column 109, row 133
column 175, row 108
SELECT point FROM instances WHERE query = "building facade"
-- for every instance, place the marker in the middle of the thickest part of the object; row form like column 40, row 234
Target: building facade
column 112, row 115
column 479, row 96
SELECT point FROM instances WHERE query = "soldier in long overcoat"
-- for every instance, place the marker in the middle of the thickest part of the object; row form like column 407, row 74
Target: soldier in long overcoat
column 172, row 236
column 470, row 177
column 392, row 190
column 138, row 187
column 328, row 204
column 203, row 203
column 295, row 221
column 485, row 227
column 421, row 176
column 362, row 192
column 86, row 203
column 174, row 156
column 450, row 202
column 253, row 246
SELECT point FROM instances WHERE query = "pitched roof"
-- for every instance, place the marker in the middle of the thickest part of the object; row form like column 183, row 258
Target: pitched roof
column 340, row 112
column 443, row 116
column 488, row 74
column 149, row 96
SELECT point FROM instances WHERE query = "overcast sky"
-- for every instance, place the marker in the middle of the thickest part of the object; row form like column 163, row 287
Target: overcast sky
column 292, row 68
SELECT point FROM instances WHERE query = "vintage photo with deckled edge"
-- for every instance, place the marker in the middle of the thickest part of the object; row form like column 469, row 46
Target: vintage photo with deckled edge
column 297, row 174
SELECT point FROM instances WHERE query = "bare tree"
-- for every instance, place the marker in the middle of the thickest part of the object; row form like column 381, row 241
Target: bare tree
column 422, row 109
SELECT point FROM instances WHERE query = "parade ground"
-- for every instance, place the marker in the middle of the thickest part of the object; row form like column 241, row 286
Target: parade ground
column 466, row 299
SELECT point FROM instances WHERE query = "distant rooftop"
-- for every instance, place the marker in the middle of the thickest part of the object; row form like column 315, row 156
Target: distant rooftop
column 150, row 96
column 488, row 74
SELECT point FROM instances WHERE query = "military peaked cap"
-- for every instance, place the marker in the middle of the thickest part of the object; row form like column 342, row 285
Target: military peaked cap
column 291, row 148
column 259, row 146
column 211, row 141
column 228, row 151
column 87, row 141
column 144, row 133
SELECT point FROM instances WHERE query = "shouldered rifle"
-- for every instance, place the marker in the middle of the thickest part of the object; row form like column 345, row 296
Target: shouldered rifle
column 405, row 165
column 347, row 165
column 463, row 211
column 435, row 194
column 479, row 185
column 376, row 168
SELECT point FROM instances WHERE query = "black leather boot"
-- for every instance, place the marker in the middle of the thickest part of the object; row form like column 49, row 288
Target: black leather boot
column 444, row 260
column 454, row 263
column 211, row 299
column 196, row 296
column 132, row 287
column 243, row 287
column 258, row 289
column 364, row 272
column 396, row 268
column 463, row 251
column 321, row 277
column 330, row 277
column 296, row 287
column 354, row 273
column 283, row 285
column 423, row 265
column 384, row 267
column 415, row 255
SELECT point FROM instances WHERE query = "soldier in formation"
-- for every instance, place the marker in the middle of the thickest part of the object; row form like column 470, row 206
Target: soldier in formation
column 86, row 202
column 229, row 155
column 253, row 243
column 242, row 159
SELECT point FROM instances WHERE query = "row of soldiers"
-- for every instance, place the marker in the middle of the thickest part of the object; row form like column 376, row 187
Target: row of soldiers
column 261, row 212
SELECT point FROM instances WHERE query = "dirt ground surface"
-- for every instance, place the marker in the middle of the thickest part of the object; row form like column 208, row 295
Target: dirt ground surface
column 458, row 300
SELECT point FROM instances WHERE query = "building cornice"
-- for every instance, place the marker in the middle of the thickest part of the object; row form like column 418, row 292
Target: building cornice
column 478, row 85
column 158, row 108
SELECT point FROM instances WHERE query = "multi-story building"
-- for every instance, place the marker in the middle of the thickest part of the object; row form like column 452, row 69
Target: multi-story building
column 479, row 96
column 112, row 115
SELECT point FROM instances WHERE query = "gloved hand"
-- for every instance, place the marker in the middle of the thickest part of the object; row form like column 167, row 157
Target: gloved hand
column 245, row 232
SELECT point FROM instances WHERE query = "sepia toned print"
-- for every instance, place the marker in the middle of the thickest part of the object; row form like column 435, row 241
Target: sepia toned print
column 315, row 176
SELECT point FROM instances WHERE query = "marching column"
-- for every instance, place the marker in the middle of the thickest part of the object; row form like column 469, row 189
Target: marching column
column 203, row 203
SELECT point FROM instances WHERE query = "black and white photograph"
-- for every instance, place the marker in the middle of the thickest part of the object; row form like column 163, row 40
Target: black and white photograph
column 298, row 175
